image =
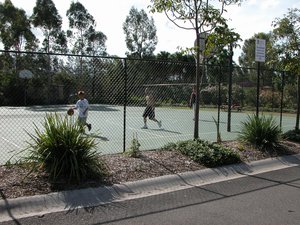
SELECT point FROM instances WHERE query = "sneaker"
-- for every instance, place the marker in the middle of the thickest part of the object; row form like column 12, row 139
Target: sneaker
column 144, row 127
column 159, row 124
column 89, row 126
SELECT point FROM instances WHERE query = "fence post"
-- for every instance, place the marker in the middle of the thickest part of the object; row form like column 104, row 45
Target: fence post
column 229, row 89
column 298, row 102
column 219, row 104
column 125, row 102
column 281, row 100
column 257, row 90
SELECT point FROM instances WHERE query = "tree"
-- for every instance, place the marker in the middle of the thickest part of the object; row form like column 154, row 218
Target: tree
column 15, row 29
column 203, row 18
column 79, row 22
column 83, row 39
column 45, row 16
column 82, row 33
column 247, row 58
column 96, row 42
column 287, row 39
column 140, row 34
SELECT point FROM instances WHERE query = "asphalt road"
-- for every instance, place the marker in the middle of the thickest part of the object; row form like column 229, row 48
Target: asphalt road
column 267, row 198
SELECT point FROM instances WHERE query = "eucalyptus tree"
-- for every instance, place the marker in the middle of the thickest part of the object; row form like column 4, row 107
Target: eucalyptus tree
column 287, row 39
column 202, row 17
column 140, row 31
column 15, row 28
column 46, row 17
column 95, row 42
column 82, row 34
column 247, row 57
column 83, row 39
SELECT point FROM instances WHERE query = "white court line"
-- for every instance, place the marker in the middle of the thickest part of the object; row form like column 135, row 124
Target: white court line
column 8, row 141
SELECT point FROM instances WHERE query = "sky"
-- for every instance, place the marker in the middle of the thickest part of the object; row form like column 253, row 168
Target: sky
column 252, row 17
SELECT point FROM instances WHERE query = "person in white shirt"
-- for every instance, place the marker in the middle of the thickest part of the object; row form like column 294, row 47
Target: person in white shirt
column 82, row 105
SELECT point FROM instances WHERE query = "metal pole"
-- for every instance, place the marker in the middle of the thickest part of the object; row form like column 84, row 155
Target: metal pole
column 25, row 91
column 125, row 103
column 298, row 102
column 196, row 126
column 219, row 105
column 281, row 100
column 257, row 90
column 229, row 90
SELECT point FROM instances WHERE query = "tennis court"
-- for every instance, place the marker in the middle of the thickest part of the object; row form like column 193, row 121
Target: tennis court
column 108, row 126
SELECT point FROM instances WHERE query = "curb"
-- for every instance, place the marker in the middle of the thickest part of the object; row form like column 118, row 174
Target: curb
column 69, row 200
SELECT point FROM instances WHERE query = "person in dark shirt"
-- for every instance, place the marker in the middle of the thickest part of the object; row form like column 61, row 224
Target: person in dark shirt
column 192, row 103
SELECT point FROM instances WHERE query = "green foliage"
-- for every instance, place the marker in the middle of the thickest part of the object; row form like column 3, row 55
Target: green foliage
column 292, row 135
column 285, row 35
column 210, row 95
column 270, row 99
column 82, row 34
column 15, row 28
column 169, row 146
column 262, row 132
column 62, row 151
column 140, row 33
column 46, row 17
column 250, row 96
column 134, row 149
column 206, row 153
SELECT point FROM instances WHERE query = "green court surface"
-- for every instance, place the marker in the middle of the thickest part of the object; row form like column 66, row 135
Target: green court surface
column 108, row 126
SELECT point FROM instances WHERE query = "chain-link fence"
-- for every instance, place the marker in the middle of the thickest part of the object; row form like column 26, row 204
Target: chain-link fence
column 34, row 84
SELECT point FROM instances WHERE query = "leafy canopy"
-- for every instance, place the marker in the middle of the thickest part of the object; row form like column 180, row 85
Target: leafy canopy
column 140, row 32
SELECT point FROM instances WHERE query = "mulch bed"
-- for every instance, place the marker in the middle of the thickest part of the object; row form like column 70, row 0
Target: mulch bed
column 15, row 181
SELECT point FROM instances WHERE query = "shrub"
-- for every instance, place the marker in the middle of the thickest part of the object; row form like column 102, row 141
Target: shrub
column 270, row 99
column 206, row 153
column 134, row 149
column 63, row 151
column 292, row 135
column 262, row 132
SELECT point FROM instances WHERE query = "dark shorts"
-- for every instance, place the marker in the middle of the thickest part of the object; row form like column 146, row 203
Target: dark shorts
column 81, row 121
column 149, row 112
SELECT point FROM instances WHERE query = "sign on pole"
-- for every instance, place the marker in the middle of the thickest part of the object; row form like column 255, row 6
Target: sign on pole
column 260, row 50
column 202, row 41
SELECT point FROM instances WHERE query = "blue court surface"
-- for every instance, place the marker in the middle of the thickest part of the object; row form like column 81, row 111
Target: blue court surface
column 108, row 126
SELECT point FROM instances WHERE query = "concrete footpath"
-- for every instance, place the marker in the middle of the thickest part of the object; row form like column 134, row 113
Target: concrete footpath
column 11, row 209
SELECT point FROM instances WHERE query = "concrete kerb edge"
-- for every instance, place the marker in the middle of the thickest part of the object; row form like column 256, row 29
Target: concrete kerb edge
column 90, row 197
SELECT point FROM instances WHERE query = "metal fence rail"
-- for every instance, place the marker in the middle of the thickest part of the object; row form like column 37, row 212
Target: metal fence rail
column 115, row 89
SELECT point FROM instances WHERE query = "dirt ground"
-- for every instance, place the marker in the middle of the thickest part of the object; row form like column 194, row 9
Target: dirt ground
column 15, row 182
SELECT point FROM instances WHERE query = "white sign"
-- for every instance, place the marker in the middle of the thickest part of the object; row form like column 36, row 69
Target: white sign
column 260, row 50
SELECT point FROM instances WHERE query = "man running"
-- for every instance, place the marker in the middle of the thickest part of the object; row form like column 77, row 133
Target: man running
column 150, row 109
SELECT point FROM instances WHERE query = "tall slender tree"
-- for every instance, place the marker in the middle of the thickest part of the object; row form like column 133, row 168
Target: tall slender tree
column 140, row 32
column 79, row 22
column 200, row 16
column 287, row 39
column 46, row 17
column 96, row 42
column 15, row 29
